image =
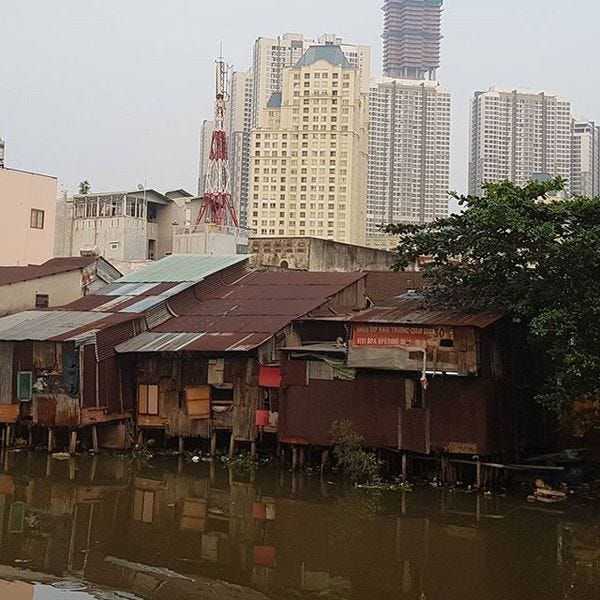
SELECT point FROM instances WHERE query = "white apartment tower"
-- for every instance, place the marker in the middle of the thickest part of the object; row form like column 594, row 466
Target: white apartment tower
column 409, row 154
column 273, row 55
column 516, row 134
column 585, row 157
column 309, row 152
column 206, row 132
column 239, row 123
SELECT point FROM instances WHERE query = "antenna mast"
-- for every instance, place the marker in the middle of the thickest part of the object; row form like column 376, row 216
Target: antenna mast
column 217, row 207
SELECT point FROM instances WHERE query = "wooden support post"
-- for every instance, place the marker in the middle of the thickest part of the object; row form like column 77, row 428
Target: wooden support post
column 231, row 446
column 478, row 467
column 94, row 438
column 213, row 443
column 73, row 442
column 93, row 468
column 30, row 436
column 50, row 439
column 140, row 437
column 181, row 444
column 212, row 473
column 302, row 457
column 294, row 457
column 10, row 434
column 3, row 437
column 253, row 448
column 48, row 466
column 324, row 460
column 404, row 467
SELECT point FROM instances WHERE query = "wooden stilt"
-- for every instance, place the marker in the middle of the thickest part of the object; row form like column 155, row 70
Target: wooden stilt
column 73, row 442
column 294, row 457
column 50, row 439
column 302, row 457
column 253, row 449
column 179, row 465
column 324, row 460
column 181, row 444
column 93, row 469
column 3, row 436
column 404, row 467
column 30, row 436
column 10, row 428
column 213, row 443
column 140, row 437
column 231, row 446
column 94, row 438
column 478, row 467
column 212, row 472
column 48, row 466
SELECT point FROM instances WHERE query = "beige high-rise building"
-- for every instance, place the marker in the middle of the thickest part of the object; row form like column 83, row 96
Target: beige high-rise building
column 409, row 155
column 273, row 55
column 516, row 134
column 309, row 152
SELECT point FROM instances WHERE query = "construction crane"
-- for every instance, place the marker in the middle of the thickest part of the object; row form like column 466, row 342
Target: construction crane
column 217, row 207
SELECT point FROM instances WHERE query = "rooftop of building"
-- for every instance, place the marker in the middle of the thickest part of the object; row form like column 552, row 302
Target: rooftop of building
column 183, row 267
column 54, row 266
column 275, row 100
column 330, row 53
column 239, row 315
column 150, row 194
column 23, row 172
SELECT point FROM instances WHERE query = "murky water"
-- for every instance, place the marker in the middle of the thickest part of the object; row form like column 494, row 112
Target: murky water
column 106, row 527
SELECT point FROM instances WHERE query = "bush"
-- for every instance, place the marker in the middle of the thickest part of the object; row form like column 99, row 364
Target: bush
column 356, row 463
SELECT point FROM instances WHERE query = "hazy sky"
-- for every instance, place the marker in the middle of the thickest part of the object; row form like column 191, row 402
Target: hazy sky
column 114, row 91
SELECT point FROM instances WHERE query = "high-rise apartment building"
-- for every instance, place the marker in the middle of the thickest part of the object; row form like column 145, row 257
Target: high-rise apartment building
column 585, row 158
column 273, row 55
column 309, row 152
column 409, row 154
column 411, row 38
column 206, row 132
column 239, row 123
column 516, row 134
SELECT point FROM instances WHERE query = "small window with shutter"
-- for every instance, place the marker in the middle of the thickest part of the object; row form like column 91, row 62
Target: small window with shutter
column 147, row 399
column 24, row 385
column 198, row 401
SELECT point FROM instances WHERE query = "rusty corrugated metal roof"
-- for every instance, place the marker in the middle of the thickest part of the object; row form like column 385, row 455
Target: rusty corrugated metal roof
column 241, row 315
column 413, row 311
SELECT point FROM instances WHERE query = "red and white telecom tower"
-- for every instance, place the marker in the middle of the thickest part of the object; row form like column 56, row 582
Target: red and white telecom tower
column 217, row 207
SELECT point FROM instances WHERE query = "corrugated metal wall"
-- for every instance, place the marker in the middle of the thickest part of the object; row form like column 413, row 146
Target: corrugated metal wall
column 6, row 372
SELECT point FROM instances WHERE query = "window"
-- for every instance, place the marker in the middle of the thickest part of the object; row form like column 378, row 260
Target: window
column 24, row 385
column 42, row 300
column 147, row 399
column 37, row 219
column 143, row 506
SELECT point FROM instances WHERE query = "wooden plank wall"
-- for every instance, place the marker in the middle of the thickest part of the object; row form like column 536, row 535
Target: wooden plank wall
column 245, row 400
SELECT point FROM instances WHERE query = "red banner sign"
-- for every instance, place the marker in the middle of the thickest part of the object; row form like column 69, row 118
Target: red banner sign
column 394, row 336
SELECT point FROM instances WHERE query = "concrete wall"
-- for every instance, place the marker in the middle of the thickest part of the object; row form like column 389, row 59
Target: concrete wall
column 314, row 254
column 62, row 289
column 20, row 192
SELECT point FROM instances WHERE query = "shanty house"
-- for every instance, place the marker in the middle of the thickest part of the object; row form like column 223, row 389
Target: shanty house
column 214, row 365
column 408, row 377
column 59, row 369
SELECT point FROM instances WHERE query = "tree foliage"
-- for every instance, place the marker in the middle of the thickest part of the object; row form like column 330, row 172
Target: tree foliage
column 518, row 251
column 85, row 187
column 357, row 464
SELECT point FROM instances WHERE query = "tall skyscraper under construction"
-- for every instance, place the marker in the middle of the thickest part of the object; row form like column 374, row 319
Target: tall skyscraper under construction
column 411, row 38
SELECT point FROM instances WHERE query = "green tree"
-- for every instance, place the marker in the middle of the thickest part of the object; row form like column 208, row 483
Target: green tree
column 537, row 259
column 85, row 187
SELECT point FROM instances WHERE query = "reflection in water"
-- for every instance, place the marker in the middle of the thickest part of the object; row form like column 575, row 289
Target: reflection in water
column 169, row 530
